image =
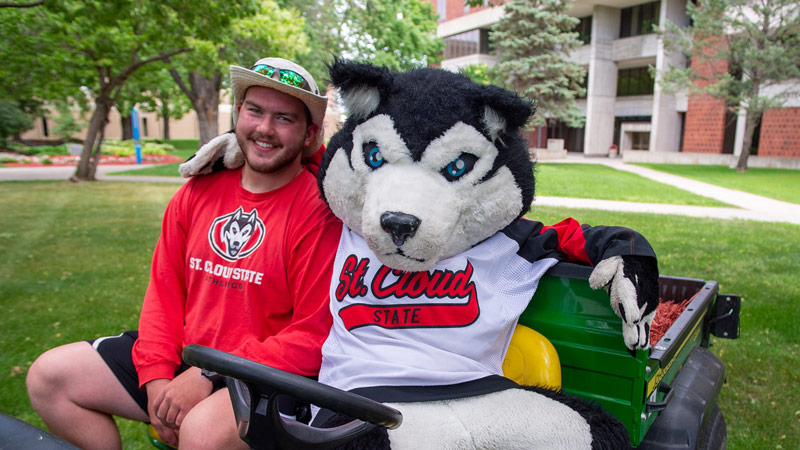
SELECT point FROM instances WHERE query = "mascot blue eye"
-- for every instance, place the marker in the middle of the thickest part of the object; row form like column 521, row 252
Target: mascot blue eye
column 373, row 155
column 459, row 167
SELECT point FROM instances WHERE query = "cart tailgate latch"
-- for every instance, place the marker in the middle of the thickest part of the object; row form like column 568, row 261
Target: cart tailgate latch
column 725, row 321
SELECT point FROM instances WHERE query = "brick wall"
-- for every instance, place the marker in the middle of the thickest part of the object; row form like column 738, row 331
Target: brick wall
column 705, row 116
column 780, row 133
column 705, row 125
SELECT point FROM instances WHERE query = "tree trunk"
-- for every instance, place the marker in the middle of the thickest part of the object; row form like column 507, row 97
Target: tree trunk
column 127, row 127
column 206, row 104
column 749, row 130
column 165, row 117
column 203, row 92
column 98, row 148
column 85, row 171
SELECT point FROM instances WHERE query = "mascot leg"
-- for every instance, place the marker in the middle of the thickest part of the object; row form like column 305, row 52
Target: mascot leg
column 512, row 419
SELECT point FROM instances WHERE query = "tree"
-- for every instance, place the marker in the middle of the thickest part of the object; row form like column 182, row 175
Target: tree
column 273, row 31
column 164, row 98
column 398, row 34
column 96, row 46
column 748, row 49
column 532, row 42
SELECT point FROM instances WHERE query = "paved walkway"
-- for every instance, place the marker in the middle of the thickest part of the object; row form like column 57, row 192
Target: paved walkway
column 744, row 205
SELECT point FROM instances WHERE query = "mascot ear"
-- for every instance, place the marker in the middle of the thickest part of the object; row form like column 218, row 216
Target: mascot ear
column 361, row 86
column 504, row 111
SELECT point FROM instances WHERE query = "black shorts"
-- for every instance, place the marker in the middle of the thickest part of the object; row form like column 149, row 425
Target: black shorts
column 116, row 352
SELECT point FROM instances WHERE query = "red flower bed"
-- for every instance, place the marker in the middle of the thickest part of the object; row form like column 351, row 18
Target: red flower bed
column 72, row 160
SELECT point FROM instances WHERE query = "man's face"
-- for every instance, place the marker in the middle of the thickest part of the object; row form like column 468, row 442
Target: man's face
column 272, row 129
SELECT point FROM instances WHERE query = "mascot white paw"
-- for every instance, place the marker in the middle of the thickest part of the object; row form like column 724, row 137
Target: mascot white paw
column 222, row 151
column 634, row 295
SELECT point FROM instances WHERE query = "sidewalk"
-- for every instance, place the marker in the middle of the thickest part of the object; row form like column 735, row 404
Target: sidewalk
column 745, row 206
column 64, row 172
column 749, row 206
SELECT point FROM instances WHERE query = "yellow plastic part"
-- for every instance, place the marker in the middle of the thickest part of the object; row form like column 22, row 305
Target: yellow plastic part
column 532, row 360
column 155, row 439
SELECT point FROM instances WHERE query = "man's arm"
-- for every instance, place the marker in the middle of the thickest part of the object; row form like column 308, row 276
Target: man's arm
column 157, row 352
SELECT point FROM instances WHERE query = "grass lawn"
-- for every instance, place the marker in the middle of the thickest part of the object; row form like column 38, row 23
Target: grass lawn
column 606, row 183
column 780, row 184
column 76, row 264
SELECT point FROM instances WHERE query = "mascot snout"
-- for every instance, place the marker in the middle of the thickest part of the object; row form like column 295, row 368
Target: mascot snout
column 400, row 226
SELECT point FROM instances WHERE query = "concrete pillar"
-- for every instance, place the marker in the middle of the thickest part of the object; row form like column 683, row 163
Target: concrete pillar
column 666, row 121
column 602, row 88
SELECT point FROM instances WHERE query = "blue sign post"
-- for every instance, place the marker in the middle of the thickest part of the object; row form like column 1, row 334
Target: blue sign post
column 137, row 143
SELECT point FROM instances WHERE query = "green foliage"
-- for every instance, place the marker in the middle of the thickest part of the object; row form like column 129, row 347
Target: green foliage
column 532, row 41
column 398, row 34
column 39, row 150
column 745, row 47
column 478, row 73
column 13, row 121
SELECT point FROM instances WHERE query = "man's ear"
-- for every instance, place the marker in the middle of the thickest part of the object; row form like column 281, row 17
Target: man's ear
column 311, row 133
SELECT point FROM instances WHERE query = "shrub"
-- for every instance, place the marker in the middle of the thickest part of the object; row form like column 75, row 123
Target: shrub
column 39, row 150
column 13, row 121
column 127, row 148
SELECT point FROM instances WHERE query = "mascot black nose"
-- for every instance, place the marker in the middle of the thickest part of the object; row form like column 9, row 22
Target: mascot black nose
column 400, row 225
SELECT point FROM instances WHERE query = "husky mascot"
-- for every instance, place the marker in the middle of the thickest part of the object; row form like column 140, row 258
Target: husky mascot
column 430, row 176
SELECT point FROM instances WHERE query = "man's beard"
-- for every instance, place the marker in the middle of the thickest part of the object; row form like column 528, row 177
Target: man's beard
column 281, row 158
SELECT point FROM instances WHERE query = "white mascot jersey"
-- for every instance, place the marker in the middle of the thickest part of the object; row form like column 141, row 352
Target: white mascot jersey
column 449, row 325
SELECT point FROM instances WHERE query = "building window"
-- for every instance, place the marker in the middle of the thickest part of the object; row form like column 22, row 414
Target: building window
column 144, row 127
column 468, row 43
column 639, row 19
column 584, row 30
column 441, row 9
column 45, row 131
column 636, row 81
column 640, row 140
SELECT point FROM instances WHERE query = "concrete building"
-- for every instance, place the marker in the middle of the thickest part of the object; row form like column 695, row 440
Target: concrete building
column 624, row 106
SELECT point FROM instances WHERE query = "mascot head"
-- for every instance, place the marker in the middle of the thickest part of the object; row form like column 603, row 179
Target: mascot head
column 428, row 163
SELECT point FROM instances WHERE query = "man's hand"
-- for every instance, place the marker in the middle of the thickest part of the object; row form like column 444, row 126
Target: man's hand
column 177, row 397
column 154, row 388
column 632, row 284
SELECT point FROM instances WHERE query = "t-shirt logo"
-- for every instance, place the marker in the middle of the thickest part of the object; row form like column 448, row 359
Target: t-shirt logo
column 236, row 235
column 389, row 286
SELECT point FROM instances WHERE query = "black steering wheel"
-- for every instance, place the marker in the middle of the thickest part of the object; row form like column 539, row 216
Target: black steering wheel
column 254, row 389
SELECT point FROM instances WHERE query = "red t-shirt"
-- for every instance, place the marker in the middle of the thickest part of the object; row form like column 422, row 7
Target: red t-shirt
column 240, row 272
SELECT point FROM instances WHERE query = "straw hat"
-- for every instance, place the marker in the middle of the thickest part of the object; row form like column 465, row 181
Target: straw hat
column 308, row 93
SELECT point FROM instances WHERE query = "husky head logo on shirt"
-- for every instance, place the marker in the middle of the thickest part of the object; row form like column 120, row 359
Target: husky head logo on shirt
column 428, row 164
column 236, row 235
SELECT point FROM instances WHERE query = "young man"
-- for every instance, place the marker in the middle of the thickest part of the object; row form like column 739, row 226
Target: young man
column 243, row 265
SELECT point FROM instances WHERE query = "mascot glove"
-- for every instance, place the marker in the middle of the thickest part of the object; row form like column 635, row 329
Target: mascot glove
column 632, row 284
column 224, row 146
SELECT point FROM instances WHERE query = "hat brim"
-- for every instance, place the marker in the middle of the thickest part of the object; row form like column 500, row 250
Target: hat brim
column 242, row 79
